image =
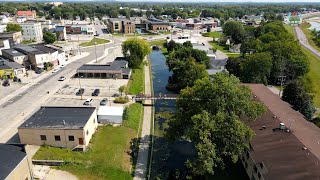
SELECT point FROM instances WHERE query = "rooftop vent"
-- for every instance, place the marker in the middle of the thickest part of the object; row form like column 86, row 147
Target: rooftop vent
column 64, row 122
column 282, row 126
column 14, row 52
column 304, row 148
column 274, row 117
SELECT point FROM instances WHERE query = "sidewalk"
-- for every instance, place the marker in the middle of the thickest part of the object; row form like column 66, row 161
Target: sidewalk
column 142, row 162
column 37, row 79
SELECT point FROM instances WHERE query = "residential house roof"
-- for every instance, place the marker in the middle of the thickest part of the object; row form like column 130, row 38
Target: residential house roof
column 60, row 28
column 10, row 157
column 24, row 13
column 292, row 153
column 59, row 118
column 218, row 62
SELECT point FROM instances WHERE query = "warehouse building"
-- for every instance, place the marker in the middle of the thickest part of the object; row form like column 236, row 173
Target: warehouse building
column 110, row 114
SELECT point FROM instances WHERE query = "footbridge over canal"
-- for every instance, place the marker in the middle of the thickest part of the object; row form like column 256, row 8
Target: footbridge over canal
column 149, row 98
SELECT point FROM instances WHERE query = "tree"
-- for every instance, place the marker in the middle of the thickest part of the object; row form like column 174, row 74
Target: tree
column 295, row 94
column 122, row 89
column 171, row 45
column 135, row 50
column 234, row 29
column 49, row 37
column 208, row 114
column 256, row 68
column 208, row 29
column 13, row 27
column 187, row 44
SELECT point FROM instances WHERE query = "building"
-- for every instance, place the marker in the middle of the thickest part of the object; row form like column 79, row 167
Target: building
column 18, row 69
column 121, row 25
column 14, row 162
column 286, row 146
column 61, row 33
column 55, row 3
column 32, row 31
column 4, row 19
column 110, row 114
column 27, row 14
column 15, row 38
column 46, row 25
column 217, row 65
column 3, row 28
column 6, row 72
column 4, row 44
column 80, row 29
column 157, row 25
column 15, row 56
column 66, row 127
column 252, row 20
column 118, row 69
column 235, row 48
column 21, row 19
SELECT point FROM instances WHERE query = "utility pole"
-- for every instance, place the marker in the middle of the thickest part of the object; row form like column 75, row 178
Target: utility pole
column 95, row 50
column 80, row 85
column 79, row 45
column 282, row 80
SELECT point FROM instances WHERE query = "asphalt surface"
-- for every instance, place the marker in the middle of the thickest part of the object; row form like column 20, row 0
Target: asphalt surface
column 304, row 41
column 18, row 108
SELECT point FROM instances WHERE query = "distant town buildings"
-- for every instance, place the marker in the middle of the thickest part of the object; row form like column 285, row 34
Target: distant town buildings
column 121, row 25
column 4, row 19
column 15, row 38
column 27, row 14
column 32, row 31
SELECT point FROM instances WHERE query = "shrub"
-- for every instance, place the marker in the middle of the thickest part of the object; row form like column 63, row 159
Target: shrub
column 121, row 100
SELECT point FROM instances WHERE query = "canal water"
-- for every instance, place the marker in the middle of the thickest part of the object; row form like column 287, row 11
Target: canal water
column 168, row 161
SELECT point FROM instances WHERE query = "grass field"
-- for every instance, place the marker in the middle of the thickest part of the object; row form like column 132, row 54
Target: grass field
column 108, row 156
column 304, row 26
column 290, row 29
column 91, row 43
column 136, row 82
column 313, row 76
column 224, row 49
column 213, row 34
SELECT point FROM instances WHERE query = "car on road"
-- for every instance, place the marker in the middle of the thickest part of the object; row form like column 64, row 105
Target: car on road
column 89, row 101
column 62, row 65
column 6, row 83
column 96, row 92
column 97, row 35
column 104, row 102
column 38, row 71
column 62, row 78
column 80, row 92
column 116, row 95
column 55, row 70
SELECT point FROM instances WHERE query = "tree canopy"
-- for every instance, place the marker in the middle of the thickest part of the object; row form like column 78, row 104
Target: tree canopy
column 49, row 37
column 235, row 30
column 208, row 114
column 13, row 27
column 135, row 50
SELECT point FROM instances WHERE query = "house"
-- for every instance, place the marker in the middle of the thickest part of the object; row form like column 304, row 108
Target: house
column 14, row 162
column 4, row 44
column 218, row 65
column 61, row 33
column 235, row 48
column 121, row 25
column 66, row 127
column 110, row 114
column 32, row 31
column 27, row 14
column 15, row 56
column 6, row 72
column 117, row 69
column 3, row 28
column 285, row 145
column 252, row 20
column 18, row 69
column 4, row 19
column 15, row 38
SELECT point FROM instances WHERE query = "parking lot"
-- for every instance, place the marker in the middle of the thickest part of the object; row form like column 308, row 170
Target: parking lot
column 4, row 91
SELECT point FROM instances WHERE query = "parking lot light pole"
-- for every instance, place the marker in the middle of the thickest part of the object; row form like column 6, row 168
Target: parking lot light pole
column 80, row 84
column 95, row 50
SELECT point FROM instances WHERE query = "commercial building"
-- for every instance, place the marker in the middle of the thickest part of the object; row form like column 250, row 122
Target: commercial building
column 32, row 31
column 118, row 69
column 61, row 32
column 110, row 114
column 14, row 162
column 21, row 19
column 157, row 25
column 286, row 146
column 3, row 28
column 18, row 69
column 15, row 56
column 27, row 14
column 4, row 19
column 15, row 38
column 121, row 25
column 4, row 44
column 6, row 72
column 80, row 29
column 66, row 127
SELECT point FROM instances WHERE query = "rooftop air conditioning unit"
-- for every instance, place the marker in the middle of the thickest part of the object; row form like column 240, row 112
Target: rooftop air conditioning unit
column 282, row 126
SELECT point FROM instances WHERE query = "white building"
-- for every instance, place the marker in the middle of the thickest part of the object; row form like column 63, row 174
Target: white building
column 4, row 19
column 4, row 44
column 110, row 114
column 32, row 31
column 21, row 19
column 3, row 28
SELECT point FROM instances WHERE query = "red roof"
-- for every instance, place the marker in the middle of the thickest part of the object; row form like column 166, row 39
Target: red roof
column 24, row 13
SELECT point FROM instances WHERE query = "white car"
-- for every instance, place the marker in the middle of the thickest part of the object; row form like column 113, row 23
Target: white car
column 89, row 101
column 62, row 78
column 55, row 70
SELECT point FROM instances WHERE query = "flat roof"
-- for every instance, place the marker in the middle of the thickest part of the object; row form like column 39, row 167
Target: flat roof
column 119, row 19
column 11, row 64
column 28, row 49
column 10, row 157
column 282, row 152
column 117, row 66
column 110, row 110
column 59, row 118
column 13, row 52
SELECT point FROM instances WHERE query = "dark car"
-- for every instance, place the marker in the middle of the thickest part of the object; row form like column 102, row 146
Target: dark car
column 6, row 83
column 104, row 102
column 96, row 92
column 116, row 95
column 38, row 71
column 80, row 92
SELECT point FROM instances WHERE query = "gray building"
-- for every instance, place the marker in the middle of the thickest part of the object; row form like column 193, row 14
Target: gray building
column 15, row 56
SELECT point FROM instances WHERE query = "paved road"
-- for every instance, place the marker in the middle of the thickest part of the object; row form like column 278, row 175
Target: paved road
column 304, row 41
column 18, row 108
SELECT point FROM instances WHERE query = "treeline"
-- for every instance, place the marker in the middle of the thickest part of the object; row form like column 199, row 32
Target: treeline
column 269, row 53
column 221, row 11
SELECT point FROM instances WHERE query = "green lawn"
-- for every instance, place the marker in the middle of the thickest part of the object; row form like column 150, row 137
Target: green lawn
column 213, row 34
column 224, row 49
column 290, row 29
column 91, row 43
column 160, row 43
column 108, row 156
column 312, row 79
column 304, row 26
column 136, row 82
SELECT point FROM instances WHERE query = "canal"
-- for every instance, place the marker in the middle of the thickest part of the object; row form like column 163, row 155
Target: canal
column 168, row 159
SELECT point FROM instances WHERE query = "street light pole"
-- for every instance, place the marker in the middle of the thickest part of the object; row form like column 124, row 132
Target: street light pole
column 79, row 45
column 95, row 50
column 80, row 85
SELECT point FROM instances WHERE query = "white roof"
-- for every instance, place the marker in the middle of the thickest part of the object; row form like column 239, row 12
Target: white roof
column 110, row 110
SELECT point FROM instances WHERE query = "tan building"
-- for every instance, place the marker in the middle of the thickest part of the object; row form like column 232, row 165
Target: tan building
column 66, row 127
column 14, row 162
column 121, row 25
